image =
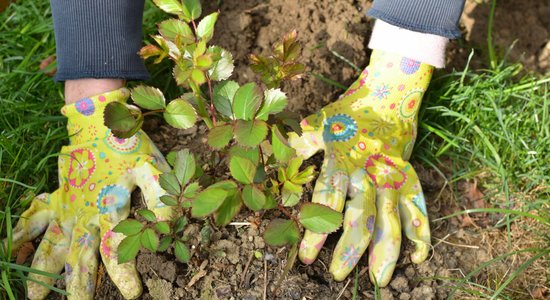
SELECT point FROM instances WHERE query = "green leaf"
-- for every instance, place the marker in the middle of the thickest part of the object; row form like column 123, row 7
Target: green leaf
column 180, row 223
column 223, row 66
column 198, row 76
column 320, row 218
column 293, row 167
column 191, row 190
column 165, row 243
column 150, row 240
column 169, row 6
column 169, row 200
column 163, row 227
column 181, row 251
column 173, row 28
column 147, row 215
column 305, row 176
column 128, row 248
column 123, row 120
column 148, row 97
column 192, row 9
column 281, row 149
column 229, row 209
column 281, row 232
column 180, row 114
column 242, row 169
column 270, row 201
column 169, row 183
column 208, row 201
column 224, row 93
column 220, row 136
column 205, row 29
column 128, row 227
column 246, row 102
column 228, row 185
column 274, row 101
column 184, row 166
column 252, row 154
column 253, row 197
column 291, row 193
column 250, row 133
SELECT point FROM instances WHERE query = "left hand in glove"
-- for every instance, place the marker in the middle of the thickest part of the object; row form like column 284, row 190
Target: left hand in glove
column 367, row 137
column 97, row 173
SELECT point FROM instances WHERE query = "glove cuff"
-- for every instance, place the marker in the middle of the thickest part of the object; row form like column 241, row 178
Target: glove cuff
column 85, row 117
column 424, row 47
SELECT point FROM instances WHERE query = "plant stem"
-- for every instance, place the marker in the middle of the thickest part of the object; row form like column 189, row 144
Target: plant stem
column 492, row 57
column 152, row 112
column 285, row 211
column 212, row 109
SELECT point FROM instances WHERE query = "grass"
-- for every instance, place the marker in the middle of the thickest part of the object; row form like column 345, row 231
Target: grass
column 491, row 124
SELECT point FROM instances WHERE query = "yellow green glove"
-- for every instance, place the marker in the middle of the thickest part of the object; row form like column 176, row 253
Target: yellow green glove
column 97, row 174
column 367, row 136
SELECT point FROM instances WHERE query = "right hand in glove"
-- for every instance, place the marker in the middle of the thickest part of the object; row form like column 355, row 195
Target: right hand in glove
column 97, row 174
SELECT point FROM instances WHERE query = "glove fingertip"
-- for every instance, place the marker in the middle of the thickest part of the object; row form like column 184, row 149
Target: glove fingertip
column 421, row 253
column 310, row 246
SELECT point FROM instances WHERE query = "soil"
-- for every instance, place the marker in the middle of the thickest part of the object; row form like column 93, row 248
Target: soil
column 224, row 263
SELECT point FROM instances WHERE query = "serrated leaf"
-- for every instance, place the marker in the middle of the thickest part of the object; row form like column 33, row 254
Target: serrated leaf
column 204, row 62
column 173, row 28
column 191, row 190
column 163, row 227
column 246, row 102
column 223, row 66
column 150, row 240
column 192, row 9
column 128, row 227
column 180, row 114
column 147, row 215
column 169, row 6
column 252, row 154
column 320, row 218
column 205, row 29
column 307, row 175
column 229, row 209
column 198, row 76
column 291, row 193
column 281, row 232
column 179, row 224
column 150, row 51
column 168, row 200
column 165, row 243
column 253, row 197
column 242, row 169
column 208, row 201
column 281, row 149
column 293, row 167
column 128, row 248
column 274, row 102
column 169, row 183
column 181, row 251
column 184, row 166
column 220, row 136
column 123, row 120
column 250, row 133
column 182, row 73
column 224, row 93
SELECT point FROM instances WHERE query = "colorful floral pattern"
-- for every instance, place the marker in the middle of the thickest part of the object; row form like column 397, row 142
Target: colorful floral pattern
column 350, row 257
column 81, row 167
column 124, row 146
column 410, row 104
column 409, row 66
column 112, row 198
column 85, row 106
column 339, row 128
column 384, row 173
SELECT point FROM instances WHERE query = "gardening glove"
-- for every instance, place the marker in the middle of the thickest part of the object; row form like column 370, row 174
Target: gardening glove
column 97, row 173
column 368, row 136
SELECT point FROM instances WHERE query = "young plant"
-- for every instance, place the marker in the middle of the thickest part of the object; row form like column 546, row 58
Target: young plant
column 247, row 131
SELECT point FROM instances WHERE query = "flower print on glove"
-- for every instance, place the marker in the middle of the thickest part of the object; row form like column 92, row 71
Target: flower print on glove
column 367, row 136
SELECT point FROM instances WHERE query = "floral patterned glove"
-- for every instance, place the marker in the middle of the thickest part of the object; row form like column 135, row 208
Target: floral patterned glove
column 368, row 136
column 97, row 173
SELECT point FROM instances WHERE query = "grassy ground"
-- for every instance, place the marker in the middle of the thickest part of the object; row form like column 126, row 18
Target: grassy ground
column 492, row 124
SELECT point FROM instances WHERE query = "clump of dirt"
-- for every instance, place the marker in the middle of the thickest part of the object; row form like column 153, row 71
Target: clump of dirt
column 234, row 262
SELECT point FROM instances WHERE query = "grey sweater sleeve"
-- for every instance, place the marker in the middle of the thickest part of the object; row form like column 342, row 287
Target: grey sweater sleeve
column 98, row 39
column 438, row 17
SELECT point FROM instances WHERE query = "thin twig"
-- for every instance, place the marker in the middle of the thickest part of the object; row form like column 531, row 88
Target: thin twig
column 246, row 268
column 343, row 289
column 443, row 240
column 265, row 279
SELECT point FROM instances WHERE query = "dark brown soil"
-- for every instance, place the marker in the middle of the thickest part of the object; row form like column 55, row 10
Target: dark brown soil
column 217, row 269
